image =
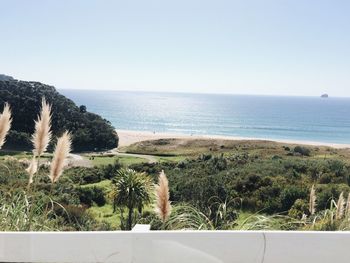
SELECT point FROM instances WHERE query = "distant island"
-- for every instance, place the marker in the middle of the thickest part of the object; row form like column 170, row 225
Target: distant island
column 90, row 131
column 324, row 96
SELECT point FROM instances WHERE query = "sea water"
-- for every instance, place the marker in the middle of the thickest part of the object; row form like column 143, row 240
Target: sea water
column 267, row 117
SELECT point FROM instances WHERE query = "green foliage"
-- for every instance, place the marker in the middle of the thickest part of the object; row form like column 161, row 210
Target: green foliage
column 90, row 131
column 17, row 213
column 299, row 209
column 222, row 213
column 302, row 150
column 76, row 218
column 90, row 175
column 42, row 207
column 258, row 182
column 90, row 195
column 132, row 190
column 290, row 194
column 269, row 222
column 85, row 175
column 244, row 189
column 184, row 216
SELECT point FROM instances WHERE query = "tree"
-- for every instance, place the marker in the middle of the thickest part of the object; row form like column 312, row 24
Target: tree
column 90, row 131
column 132, row 190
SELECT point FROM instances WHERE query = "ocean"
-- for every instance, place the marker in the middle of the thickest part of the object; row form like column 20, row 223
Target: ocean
column 266, row 117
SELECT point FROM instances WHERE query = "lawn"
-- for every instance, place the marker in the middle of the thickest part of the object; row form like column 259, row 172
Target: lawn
column 124, row 160
column 15, row 154
column 179, row 149
column 105, row 214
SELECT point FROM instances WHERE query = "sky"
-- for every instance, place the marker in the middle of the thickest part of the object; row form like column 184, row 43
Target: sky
column 270, row 47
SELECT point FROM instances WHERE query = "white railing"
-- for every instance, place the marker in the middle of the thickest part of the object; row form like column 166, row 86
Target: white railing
column 176, row 247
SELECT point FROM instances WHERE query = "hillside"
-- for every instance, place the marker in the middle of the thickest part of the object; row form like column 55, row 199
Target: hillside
column 90, row 131
column 257, row 176
column 5, row 77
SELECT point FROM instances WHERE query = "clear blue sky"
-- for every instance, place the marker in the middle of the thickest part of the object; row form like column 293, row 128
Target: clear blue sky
column 296, row 47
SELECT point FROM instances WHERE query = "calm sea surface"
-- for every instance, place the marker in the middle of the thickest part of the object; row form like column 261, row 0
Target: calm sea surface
column 291, row 118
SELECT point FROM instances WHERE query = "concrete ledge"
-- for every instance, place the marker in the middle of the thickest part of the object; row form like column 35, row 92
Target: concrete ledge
column 175, row 246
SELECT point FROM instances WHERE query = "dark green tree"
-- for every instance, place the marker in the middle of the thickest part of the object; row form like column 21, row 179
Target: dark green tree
column 90, row 131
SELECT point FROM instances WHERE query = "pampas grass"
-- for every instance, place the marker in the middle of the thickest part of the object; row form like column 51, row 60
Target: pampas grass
column 163, row 206
column 62, row 149
column 347, row 207
column 340, row 207
column 31, row 170
column 21, row 210
column 5, row 123
column 312, row 201
column 42, row 134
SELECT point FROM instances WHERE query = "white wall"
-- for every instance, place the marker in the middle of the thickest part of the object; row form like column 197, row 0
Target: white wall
column 176, row 247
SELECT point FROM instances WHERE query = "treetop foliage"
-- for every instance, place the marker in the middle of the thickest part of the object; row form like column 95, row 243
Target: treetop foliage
column 90, row 131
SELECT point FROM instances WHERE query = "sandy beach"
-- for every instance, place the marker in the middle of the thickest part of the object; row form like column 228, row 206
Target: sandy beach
column 128, row 137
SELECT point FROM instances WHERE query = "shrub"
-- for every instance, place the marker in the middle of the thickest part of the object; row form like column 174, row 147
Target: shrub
column 89, row 195
column 290, row 194
column 299, row 208
column 302, row 150
column 85, row 175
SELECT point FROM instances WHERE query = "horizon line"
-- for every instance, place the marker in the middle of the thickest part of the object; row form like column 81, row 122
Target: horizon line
column 205, row 93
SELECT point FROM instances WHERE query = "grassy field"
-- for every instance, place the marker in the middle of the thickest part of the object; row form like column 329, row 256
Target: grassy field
column 124, row 160
column 105, row 214
column 105, row 185
column 15, row 154
column 178, row 149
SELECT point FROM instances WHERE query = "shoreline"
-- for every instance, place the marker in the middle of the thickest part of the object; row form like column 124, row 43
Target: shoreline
column 128, row 137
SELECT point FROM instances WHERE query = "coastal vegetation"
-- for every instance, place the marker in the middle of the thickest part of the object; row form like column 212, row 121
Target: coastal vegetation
column 90, row 131
column 189, row 184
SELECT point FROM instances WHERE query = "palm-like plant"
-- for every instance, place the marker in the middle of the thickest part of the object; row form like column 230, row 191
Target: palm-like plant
column 132, row 190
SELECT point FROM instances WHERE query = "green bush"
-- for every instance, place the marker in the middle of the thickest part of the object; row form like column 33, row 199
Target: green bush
column 90, row 131
column 299, row 208
column 89, row 195
column 290, row 194
column 302, row 150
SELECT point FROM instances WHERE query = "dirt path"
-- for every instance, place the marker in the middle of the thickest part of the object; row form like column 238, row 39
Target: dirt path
column 150, row 158
column 82, row 161
column 78, row 160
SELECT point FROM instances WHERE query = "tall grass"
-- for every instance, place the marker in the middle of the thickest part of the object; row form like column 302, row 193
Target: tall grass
column 187, row 217
column 63, row 147
column 5, row 123
column 15, row 215
column 20, row 210
column 269, row 222
column 42, row 135
column 163, row 206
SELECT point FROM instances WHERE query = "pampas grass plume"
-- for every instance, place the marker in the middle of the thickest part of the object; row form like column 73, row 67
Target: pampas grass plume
column 32, row 169
column 5, row 123
column 312, row 201
column 347, row 208
column 42, row 134
column 62, row 149
column 340, row 206
column 163, row 206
